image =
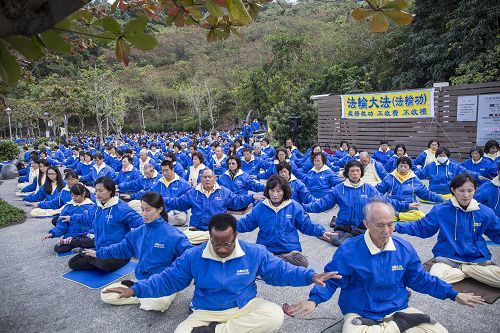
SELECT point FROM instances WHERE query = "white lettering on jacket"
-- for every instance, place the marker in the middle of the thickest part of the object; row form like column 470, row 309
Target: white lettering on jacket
column 242, row 271
column 397, row 268
column 159, row 246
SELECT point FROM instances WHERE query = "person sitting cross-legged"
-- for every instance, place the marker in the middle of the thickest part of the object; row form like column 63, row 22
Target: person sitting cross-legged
column 461, row 250
column 278, row 218
column 156, row 244
column 224, row 272
column 376, row 269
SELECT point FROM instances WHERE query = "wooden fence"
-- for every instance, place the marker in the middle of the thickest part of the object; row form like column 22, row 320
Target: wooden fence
column 459, row 137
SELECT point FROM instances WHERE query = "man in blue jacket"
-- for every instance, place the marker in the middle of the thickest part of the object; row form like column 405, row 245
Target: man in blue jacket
column 205, row 201
column 99, row 170
column 376, row 269
column 224, row 272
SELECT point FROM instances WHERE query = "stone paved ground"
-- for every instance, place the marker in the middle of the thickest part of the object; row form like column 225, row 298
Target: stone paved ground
column 34, row 297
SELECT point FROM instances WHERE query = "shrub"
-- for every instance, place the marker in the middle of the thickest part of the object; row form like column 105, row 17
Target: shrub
column 10, row 214
column 8, row 150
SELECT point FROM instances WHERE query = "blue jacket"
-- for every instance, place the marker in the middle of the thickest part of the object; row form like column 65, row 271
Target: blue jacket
column 460, row 232
column 343, row 161
column 382, row 157
column 83, row 169
column 218, row 167
column 156, row 244
column 422, row 158
column 110, row 222
column 441, row 175
column 255, row 126
column 340, row 153
column 175, row 189
column 241, row 184
column 71, row 228
column 31, row 187
column 246, row 131
column 93, row 175
column 319, row 183
column 253, row 166
column 406, row 191
column 374, row 285
column 351, row 202
column 489, row 195
column 270, row 151
column 59, row 200
column 40, row 195
column 126, row 176
column 300, row 193
column 278, row 230
column 139, row 184
column 178, row 169
column 203, row 207
column 486, row 168
column 223, row 285
column 271, row 169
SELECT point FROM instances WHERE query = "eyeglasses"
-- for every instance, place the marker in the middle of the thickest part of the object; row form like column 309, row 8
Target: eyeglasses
column 51, row 174
column 227, row 245
column 232, row 163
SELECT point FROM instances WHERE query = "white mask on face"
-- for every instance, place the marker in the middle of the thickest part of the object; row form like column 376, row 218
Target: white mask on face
column 442, row 159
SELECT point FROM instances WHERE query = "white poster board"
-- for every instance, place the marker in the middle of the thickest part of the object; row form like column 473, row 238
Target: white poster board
column 466, row 108
column 488, row 118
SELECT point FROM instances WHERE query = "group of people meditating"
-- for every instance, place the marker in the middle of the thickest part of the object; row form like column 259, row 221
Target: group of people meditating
column 137, row 209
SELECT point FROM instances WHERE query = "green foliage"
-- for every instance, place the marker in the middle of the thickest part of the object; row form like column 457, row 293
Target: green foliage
column 485, row 68
column 10, row 214
column 8, row 150
column 280, row 124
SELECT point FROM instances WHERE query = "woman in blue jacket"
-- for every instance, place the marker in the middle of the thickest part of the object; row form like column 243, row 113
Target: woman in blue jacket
column 218, row 162
column 399, row 151
column 237, row 181
column 320, row 179
column 128, row 172
column 352, row 196
column 300, row 193
column 53, row 207
column 156, row 244
column 73, row 234
column 489, row 193
column 50, row 189
column 278, row 218
column 111, row 220
column 38, row 181
column 403, row 185
column 98, row 170
column 484, row 166
column 85, row 165
column 461, row 250
column 441, row 172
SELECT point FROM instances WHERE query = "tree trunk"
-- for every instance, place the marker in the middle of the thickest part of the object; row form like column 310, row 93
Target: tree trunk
column 66, row 136
column 175, row 108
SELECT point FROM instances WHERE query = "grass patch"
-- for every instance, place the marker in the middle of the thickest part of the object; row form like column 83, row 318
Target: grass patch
column 10, row 215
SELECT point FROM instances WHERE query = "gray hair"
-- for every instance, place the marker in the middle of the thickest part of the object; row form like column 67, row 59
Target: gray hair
column 257, row 145
column 364, row 153
column 148, row 166
column 143, row 151
column 368, row 209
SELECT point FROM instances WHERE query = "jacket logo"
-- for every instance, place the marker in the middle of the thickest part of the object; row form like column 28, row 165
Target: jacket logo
column 218, row 198
column 288, row 216
column 159, row 246
column 397, row 268
column 477, row 224
column 242, row 271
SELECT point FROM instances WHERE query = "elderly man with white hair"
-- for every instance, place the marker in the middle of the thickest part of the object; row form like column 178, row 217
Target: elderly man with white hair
column 376, row 269
column 144, row 159
column 374, row 171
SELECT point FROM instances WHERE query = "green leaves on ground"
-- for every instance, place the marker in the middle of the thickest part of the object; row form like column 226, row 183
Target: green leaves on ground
column 10, row 214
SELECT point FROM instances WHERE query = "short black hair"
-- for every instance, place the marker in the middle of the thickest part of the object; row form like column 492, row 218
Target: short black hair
column 168, row 163
column 489, row 144
column 441, row 150
column 431, row 141
column 323, row 157
column 98, row 156
column 171, row 156
column 128, row 157
column 384, row 142
column 478, row 149
column 221, row 222
column 235, row 158
column 247, row 150
column 399, row 145
column 274, row 181
column 284, row 165
column 404, row 160
column 199, row 155
column 108, row 184
column 461, row 179
column 80, row 189
column 70, row 173
column 353, row 163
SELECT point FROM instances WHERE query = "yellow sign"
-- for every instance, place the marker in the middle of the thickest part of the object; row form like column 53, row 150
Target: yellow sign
column 389, row 105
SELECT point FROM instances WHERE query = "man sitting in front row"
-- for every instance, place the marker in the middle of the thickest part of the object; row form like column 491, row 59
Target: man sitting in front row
column 224, row 271
column 376, row 268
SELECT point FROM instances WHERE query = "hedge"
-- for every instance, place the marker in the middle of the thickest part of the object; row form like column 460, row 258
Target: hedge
column 10, row 215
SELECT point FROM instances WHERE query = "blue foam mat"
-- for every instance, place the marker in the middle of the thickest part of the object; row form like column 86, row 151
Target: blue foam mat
column 96, row 279
column 64, row 254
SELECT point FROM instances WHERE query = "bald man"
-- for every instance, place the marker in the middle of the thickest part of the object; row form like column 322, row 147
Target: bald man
column 376, row 269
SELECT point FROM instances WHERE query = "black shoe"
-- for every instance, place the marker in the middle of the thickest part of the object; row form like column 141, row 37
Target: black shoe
column 128, row 283
column 205, row 329
column 77, row 250
column 332, row 222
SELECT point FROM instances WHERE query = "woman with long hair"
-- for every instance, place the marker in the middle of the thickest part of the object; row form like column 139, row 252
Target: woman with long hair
column 156, row 244
column 50, row 189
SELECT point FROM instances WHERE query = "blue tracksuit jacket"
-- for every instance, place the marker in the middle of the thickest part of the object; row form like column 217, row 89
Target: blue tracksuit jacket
column 71, row 228
column 441, row 175
column 489, row 195
column 319, row 183
column 406, row 191
column 241, row 184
